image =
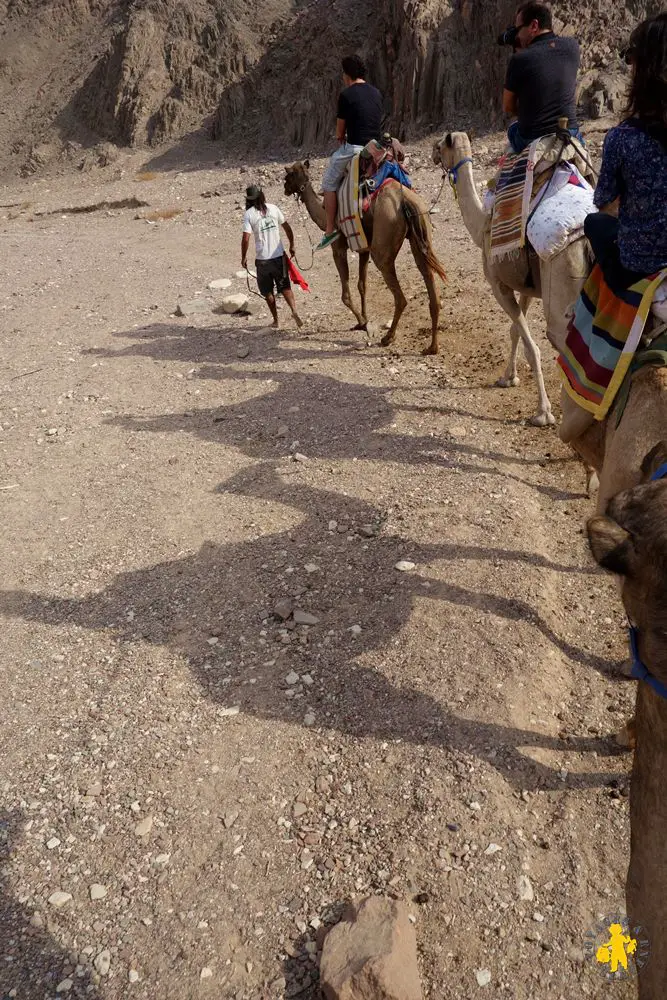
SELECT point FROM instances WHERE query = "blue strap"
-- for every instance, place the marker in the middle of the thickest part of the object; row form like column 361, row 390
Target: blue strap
column 639, row 670
column 660, row 472
column 454, row 171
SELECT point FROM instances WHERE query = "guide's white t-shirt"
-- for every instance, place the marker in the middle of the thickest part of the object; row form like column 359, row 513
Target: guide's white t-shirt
column 266, row 228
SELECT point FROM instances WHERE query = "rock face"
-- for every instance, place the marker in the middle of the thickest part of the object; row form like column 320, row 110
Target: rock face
column 371, row 954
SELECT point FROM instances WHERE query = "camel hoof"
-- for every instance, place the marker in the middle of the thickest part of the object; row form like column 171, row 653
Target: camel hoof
column 387, row 339
column 627, row 736
column 360, row 326
column 430, row 350
column 543, row 420
column 507, row 383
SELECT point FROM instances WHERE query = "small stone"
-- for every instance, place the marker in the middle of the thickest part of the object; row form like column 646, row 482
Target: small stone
column 102, row 962
column 192, row 307
column 493, row 849
column 37, row 920
column 311, row 568
column 65, row 986
column 538, row 917
column 475, row 806
column 52, row 844
column 97, row 891
column 307, row 680
column 306, row 860
column 133, row 976
column 404, row 566
column 283, row 431
column 144, row 828
column 525, row 889
column 355, row 629
column 243, row 351
column 59, row 899
column 292, row 678
column 309, row 719
column 454, row 827
column 299, row 809
column 298, row 456
column 94, row 790
column 160, row 860
column 305, row 618
column 219, row 283
column 333, row 525
column 367, row 531
column 230, row 818
column 483, row 977
column 232, row 710
column 234, row 303
column 206, row 973
column 283, row 609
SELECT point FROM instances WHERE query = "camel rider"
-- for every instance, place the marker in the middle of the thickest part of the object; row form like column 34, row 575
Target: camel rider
column 541, row 79
column 358, row 120
column 264, row 220
column 629, row 233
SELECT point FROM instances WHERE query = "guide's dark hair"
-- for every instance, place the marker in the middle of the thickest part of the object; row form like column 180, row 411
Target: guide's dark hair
column 255, row 198
column 539, row 12
column 647, row 53
column 353, row 66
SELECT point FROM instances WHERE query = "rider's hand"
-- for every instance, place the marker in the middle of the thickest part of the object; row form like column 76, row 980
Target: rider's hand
column 244, row 263
column 292, row 251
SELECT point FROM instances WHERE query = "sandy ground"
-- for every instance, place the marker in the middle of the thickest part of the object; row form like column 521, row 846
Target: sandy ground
column 226, row 780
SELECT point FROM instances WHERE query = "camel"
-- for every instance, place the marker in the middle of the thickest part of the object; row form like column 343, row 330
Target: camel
column 628, row 537
column 557, row 281
column 396, row 212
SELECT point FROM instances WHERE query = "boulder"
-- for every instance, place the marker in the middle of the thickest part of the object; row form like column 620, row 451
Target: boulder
column 192, row 307
column 235, row 303
column 219, row 284
column 371, row 954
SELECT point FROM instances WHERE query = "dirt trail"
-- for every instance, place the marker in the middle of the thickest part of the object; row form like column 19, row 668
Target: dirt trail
column 154, row 516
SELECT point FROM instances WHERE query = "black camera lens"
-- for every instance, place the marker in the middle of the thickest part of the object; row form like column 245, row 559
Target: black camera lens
column 508, row 36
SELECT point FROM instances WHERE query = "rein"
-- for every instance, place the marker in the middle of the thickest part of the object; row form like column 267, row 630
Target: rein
column 639, row 669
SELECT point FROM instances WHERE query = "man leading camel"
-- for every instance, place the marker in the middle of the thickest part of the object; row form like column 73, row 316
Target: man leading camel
column 264, row 221
column 358, row 120
column 541, row 80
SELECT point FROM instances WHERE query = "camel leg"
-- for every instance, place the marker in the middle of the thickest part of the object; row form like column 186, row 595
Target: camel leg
column 433, row 297
column 505, row 297
column 364, row 260
column 388, row 271
column 339, row 249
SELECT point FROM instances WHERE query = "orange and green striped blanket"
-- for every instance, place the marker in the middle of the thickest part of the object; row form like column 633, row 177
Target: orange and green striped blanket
column 602, row 338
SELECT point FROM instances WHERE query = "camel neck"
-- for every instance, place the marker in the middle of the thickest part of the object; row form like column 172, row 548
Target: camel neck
column 314, row 206
column 472, row 211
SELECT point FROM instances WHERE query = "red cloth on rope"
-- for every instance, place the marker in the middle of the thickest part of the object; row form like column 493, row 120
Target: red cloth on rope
column 296, row 276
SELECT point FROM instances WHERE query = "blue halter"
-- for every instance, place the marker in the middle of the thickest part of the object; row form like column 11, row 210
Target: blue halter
column 639, row 669
column 453, row 172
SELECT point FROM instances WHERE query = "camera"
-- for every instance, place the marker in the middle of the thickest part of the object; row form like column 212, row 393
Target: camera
column 508, row 36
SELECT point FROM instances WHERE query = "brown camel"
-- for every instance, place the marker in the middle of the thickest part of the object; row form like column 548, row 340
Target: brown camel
column 396, row 212
column 630, row 539
column 557, row 281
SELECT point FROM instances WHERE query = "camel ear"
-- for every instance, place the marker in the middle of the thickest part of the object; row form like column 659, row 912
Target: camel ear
column 656, row 457
column 449, row 142
column 611, row 545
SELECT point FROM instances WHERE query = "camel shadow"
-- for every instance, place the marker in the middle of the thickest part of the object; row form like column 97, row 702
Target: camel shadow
column 228, row 591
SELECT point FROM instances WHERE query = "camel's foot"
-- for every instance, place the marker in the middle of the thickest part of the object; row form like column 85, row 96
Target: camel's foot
column 543, row 420
column 360, row 326
column 507, row 383
column 431, row 349
column 592, row 482
column 388, row 339
column 627, row 736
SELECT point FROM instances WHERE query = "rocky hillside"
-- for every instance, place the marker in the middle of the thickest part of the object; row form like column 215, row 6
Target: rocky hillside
column 143, row 71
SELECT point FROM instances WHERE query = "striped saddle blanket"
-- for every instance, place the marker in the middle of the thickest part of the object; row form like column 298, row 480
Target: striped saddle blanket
column 602, row 338
column 350, row 208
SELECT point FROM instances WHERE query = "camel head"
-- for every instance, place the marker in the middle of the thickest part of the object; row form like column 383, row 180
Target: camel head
column 451, row 149
column 631, row 541
column 296, row 177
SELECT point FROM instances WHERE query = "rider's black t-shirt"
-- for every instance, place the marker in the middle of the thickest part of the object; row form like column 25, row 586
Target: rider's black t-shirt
column 544, row 79
column 360, row 107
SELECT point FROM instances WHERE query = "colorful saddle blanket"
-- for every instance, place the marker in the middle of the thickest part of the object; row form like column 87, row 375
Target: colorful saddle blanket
column 602, row 339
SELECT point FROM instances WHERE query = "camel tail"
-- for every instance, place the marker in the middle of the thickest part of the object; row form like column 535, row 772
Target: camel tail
column 419, row 227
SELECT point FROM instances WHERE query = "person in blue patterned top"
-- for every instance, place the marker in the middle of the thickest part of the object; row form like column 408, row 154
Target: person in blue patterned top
column 633, row 175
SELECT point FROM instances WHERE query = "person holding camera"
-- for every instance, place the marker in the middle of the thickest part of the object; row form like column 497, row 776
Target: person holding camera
column 541, row 79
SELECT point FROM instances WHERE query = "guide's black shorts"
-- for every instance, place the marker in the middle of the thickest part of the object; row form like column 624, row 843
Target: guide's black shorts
column 272, row 273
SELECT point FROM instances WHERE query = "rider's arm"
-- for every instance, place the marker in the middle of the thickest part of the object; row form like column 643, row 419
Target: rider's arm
column 340, row 130
column 510, row 103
